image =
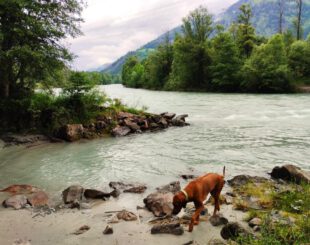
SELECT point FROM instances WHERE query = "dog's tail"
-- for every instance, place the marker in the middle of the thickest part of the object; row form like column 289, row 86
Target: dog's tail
column 224, row 171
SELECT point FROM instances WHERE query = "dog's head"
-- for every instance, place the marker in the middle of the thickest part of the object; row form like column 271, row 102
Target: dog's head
column 179, row 202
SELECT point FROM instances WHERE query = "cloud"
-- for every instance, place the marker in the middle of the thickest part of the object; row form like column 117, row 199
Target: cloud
column 114, row 27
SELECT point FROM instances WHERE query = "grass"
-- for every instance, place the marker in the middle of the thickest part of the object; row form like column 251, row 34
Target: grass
column 293, row 226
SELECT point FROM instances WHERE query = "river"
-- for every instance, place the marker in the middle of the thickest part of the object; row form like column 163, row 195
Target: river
column 247, row 133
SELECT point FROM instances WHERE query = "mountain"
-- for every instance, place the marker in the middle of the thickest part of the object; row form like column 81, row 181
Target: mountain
column 100, row 68
column 265, row 20
column 266, row 15
column 141, row 53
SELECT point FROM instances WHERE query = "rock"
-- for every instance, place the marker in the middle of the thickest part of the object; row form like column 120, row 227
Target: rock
column 163, row 122
column 100, row 125
column 119, row 185
column 38, row 199
column 218, row 220
column 73, row 194
column 241, row 180
column 153, row 126
column 168, row 115
column 232, row 230
column 22, row 242
column 255, row 222
column 108, row 230
column 216, row 242
column 291, row 173
column 132, row 125
column 173, row 187
column 159, row 203
column 20, row 189
column 188, row 176
column 16, row 202
column 136, row 189
column 122, row 115
column 127, row 216
column 174, row 228
column 95, row 194
column 179, row 121
column 81, row 230
column 71, row 132
column 256, row 228
column 18, row 139
column 84, row 205
column 120, row 131
column 115, row 193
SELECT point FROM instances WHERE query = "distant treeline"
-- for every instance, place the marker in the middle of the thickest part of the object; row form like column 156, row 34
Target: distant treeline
column 208, row 58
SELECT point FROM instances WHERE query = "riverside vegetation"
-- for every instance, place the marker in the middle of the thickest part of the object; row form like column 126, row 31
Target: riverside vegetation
column 33, row 61
column 209, row 58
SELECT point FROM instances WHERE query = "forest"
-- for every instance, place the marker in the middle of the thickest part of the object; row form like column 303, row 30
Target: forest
column 208, row 57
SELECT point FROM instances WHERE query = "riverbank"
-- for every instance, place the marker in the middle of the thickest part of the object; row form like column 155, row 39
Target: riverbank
column 259, row 197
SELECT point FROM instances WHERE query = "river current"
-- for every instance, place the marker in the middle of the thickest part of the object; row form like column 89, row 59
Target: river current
column 247, row 133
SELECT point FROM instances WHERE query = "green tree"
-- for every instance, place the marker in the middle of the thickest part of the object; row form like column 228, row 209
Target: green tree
column 190, row 68
column 299, row 59
column 267, row 69
column 158, row 66
column 245, row 35
column 30, row 41
column 133, row 73
column 225, row 63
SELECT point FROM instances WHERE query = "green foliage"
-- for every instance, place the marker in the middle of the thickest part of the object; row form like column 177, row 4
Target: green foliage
column 299, row 59
column 295, row 204
column 245, row 35
column 31, row 50
column 226, row 63
column 267, row 69
column 133, row 72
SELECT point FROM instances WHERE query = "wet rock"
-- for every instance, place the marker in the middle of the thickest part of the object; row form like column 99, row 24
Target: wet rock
column 168, row 115
column 174, row 228
column 153, row 125
column 173, row 187
column 255, row 222
column 216, row 242
column 291, row 173
column 16, row 202
column 20, row 189
column 115, row 193
column 38, row 199
column 73, row 194
column 71, row 132
column 136, row 189
column 241, row 180
column 218, row 220
column 188, row 176
column 163, row 123
column 108, row 230
column 100, row 125
column 120, row 131
column 96, row 194
column 18, row 139
column 179, row 121
column 81, row 230
column 132, row 125
column 127, row 216
column 233, row 230
column 119, row 185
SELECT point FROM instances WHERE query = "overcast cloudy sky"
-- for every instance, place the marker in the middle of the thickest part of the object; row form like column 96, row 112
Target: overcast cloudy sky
column 114, row 27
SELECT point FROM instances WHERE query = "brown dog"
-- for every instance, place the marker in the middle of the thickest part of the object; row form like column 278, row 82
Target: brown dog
column 196, row 191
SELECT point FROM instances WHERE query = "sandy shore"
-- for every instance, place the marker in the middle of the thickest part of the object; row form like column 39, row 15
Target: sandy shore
column 57, row 228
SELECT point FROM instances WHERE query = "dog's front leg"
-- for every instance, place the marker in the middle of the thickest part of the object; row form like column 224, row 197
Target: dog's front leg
column 194, row 220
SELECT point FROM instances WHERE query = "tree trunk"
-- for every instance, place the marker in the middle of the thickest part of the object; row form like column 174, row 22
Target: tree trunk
column 298, row 27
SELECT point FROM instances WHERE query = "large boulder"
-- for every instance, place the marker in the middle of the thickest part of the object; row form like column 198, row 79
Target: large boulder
column 291, row 173
column 160, row 202
column 241, row 180
column 96, row 194
column 73, row 194
column 168, row 115
column 38, row 199
column 132, row 125
column 71, row 132
column 16, row 202
column 131, row 188
column 120, row 131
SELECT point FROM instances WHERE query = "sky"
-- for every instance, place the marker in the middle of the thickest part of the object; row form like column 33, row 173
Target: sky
column 113, row 27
